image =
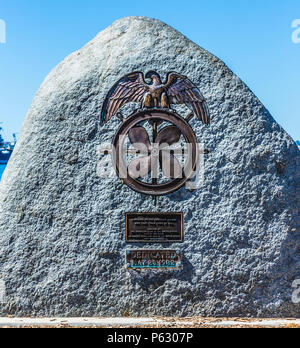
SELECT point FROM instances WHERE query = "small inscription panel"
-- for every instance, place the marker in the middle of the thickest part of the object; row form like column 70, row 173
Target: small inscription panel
column 154, row 227
column 139, row 259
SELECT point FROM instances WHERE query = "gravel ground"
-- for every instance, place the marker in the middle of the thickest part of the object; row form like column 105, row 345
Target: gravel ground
column 168, row 322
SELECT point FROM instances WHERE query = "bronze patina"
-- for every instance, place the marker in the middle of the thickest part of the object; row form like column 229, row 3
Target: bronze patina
column 177, row 89
column 155, row 150
column 154, row 227
column 151, row 259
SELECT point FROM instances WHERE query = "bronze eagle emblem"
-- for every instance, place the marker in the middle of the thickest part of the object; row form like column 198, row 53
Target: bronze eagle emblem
column 177, row 89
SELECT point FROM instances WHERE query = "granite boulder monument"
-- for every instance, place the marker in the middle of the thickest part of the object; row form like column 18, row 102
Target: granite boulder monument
column 74, row 243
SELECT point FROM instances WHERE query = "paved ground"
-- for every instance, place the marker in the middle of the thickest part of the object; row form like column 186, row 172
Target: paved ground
column 147, row 322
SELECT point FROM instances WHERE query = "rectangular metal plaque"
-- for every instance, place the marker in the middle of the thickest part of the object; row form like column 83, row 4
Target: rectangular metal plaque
column 154, row 227
column 139, row 259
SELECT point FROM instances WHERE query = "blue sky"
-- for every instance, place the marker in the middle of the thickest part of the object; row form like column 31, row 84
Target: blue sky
column 253, row 37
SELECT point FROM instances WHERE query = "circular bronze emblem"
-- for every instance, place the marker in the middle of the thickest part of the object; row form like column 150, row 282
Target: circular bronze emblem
column 155, row 150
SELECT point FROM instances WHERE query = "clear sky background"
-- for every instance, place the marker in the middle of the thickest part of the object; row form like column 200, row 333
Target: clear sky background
column 253, row 37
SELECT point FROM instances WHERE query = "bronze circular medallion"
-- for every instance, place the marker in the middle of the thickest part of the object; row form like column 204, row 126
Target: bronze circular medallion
column 144, row 153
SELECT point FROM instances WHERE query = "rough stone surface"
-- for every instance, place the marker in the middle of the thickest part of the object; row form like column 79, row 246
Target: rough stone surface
column 62, row 227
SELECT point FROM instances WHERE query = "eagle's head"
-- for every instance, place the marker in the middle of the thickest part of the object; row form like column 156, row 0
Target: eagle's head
column 153, row 75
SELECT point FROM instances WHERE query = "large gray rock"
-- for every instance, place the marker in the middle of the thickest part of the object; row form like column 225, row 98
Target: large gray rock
column 62, row 227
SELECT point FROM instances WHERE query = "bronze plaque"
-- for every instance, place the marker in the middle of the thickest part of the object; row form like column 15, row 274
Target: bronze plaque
column 154, row 227
column 138, row 259
column 156, row 107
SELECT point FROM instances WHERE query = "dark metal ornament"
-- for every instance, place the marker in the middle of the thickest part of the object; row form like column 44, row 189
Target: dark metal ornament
column 154, row 227
column 129, row 128
column 168, row 128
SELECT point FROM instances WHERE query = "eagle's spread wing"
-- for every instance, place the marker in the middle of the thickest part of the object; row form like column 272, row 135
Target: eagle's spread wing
column 131, row 88
column 182, row 91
